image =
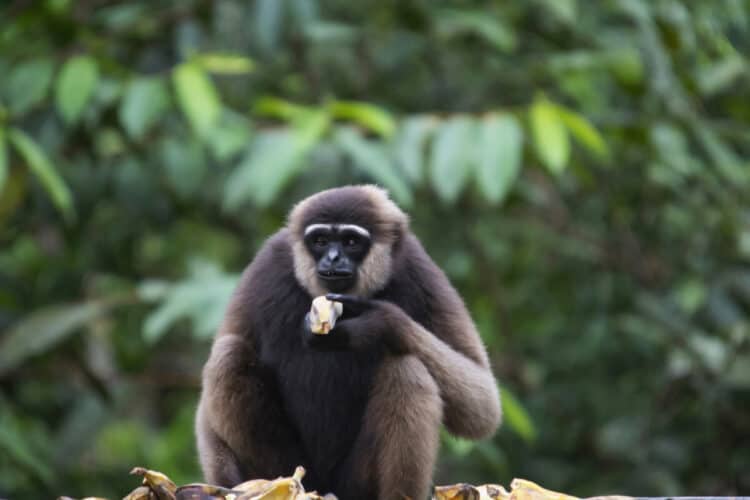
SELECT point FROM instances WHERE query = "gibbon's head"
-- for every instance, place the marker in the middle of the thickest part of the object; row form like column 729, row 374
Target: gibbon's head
column 342, row 239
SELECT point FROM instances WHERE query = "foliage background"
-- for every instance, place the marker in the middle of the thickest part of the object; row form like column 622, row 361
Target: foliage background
column 580, row 169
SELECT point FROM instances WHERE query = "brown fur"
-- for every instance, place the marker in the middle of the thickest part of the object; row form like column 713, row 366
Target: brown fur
column 439, row 371
column 404, row 415
column 232, row 439
column 456, row 358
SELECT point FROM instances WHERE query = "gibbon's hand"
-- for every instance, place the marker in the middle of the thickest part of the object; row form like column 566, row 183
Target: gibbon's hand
column 331, row 341
column 354, row 305
column 366, row 322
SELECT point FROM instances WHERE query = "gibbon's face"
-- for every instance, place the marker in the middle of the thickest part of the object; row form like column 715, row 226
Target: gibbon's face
column 338, row 250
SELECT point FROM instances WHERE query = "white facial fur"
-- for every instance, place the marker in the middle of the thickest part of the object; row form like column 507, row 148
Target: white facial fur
column 341, row 227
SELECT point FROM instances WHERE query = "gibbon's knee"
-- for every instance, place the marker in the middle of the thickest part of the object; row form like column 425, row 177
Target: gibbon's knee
column 405, row 412
column 230, row 389
column 219, row 463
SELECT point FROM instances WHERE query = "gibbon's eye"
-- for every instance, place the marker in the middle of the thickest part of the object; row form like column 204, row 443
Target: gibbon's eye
column 320, row 241
column 351, row 241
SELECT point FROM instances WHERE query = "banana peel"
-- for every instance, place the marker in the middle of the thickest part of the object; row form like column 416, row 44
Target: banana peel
column 323, row 315
column 141, row 493
column 492, row 492
column 283, row 488
column 201, row 491
column 521, row 489
column 253, row 487
column 460, row 491
column 157, row 486
column 85, row 498
column 160, row 484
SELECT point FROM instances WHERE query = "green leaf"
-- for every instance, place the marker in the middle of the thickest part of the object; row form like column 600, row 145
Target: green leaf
column 44, row 328
column 368, row 115
column 273, row 159
column 516, row 416
column 75, row 85
column 202, row 298
column 74, row 429
column 583, row 131
column 564, row 10
column 224, row 63
column 230, row 136
column 279, row 108
column 410, row 145
column 499, row 149
column 145, row 101
column 721, row 75
column 451, row 157
column 309, row 127
column 41, row 166
column 626, row 65
column 197, row 97
column 550, row 135
column 184, row 162
column 372, row 158
column 12, row 195
column 270, row 162
column 454, row 22
column 27, row 84
column 330, row 32
column 3, row 159
column 730, row 166
column 20, row 447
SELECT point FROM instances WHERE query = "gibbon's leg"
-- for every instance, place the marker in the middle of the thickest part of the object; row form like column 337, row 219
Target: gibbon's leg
column 241, row 426
column 218, row 462
column 396, row 450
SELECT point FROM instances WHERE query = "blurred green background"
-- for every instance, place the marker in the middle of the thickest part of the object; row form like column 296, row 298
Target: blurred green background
column 580, row 170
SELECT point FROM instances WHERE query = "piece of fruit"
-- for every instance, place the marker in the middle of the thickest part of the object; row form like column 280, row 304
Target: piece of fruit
column 283, row 488
column 201, row 491
column 492, row 492
column 521, row 489
column 161, row 485
column 323, row 315
column 460, row 491
column 253, row 487
column 141, row 493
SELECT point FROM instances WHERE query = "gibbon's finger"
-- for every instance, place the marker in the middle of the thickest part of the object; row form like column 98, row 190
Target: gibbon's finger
column 352, row 303
column 346, row 299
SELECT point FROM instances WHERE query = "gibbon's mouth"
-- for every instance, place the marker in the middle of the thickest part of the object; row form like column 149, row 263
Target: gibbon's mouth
column 334, row 275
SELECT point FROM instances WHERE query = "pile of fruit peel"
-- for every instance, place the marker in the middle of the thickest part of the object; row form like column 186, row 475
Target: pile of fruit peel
column 157, row 486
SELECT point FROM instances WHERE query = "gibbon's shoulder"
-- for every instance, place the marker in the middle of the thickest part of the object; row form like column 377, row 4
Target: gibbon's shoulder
column 277, row 249
column 271, row 270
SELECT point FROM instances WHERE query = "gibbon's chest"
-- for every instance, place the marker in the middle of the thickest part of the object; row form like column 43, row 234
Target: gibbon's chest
column 325, row 394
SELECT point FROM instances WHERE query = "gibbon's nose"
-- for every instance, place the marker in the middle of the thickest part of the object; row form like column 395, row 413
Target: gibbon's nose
column 333, row 254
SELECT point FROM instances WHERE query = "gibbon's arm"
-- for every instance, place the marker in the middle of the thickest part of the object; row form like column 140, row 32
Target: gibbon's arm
column 242, row 427
column 467, row 386
column 452, row 352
